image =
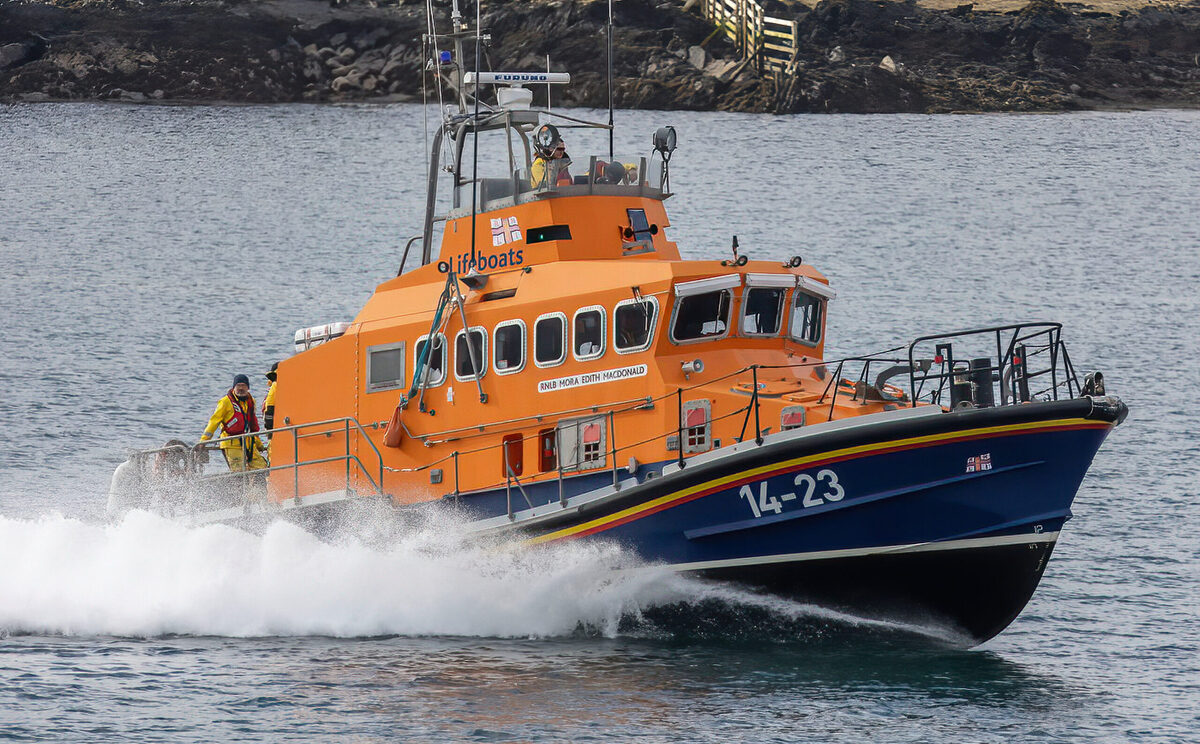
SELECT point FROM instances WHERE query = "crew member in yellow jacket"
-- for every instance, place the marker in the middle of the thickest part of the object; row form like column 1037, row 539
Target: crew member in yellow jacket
column 269, row 401
column 235, row 415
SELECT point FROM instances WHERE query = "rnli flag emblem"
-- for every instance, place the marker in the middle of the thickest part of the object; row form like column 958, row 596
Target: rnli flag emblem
column 505, row 231
column 979, row 463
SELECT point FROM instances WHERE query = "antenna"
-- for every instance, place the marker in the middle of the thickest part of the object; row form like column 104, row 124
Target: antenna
column 475, row 154
column 610, row 81
column 547, row 83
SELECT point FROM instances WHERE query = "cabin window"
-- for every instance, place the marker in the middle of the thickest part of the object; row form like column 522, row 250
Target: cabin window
column 463, row 354
column 509, row 345
column 434, row 373
column 385, row 367
column 550, row 340
column 589, row 333
column 633, row 325
column 581, row 443
column 806, row 318
column 762, row 311
column 702, row 316
column 512, row 456
column 548, row 450
column 639, row 225
column 697, row 426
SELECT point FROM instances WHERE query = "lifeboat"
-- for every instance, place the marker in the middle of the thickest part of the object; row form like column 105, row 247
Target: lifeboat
column 556, row 371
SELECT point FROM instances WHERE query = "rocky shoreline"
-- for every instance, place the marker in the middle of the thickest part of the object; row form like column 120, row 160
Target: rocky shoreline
column 858, row 56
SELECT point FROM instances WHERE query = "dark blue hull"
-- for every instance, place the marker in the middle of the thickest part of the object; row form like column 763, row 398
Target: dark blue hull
column 946, row 518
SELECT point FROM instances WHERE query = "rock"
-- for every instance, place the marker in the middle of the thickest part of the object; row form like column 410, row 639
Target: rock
column 337, row 39
column 697, row 57
column 274, row 55
column 836, row 55
column 719, row 68
column 370, row 65
column 12, row 55
column 1061, row 48
column 133, row 96
column 157, row 94
column 342, row 71
column 353, row 81
column 369, row 83
column 76, row 63
column 313, row 69
column 390, row 67
column 371, row 38
column 310, row 50
column 35, row 97
column 887, row 63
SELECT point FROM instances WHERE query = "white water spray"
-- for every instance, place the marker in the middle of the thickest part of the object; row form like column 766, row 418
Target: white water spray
column 147, row 576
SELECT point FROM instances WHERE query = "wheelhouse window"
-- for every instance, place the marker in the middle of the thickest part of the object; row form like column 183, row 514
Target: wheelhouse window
column 639, row 225
column 463, row 354
column 633, row 325
column 509, row 347
column 385, row 367
column 762, row 310
column 806, row 318
column 702, row 316
column 434, row 373
column 550, row 340
column 589, row 333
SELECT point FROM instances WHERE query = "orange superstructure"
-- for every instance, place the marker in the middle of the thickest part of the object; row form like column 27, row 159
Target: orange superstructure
column 566, row 272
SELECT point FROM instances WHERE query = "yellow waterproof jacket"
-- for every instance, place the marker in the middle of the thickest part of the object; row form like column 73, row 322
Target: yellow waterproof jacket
column 538, row 168
column 270, row 399
column 225, row 416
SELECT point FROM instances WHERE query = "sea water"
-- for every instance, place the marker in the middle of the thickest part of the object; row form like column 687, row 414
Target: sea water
column 149, row 253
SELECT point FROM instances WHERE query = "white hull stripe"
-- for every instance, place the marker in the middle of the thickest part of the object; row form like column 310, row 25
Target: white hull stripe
column 929, row 547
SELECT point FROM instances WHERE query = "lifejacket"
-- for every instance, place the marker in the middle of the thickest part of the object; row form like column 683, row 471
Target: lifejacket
column 236, row 424
column 561, row 165
column 564, row 178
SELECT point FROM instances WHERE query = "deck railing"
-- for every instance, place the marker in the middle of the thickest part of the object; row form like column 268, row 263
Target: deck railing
column 1025, row 356
column 190, row 478
column 1020, row 361
column 1019, row 353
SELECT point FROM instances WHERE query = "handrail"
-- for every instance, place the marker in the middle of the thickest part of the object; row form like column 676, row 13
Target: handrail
column 1016, row 345
column 194, row 467
column 1011, row 366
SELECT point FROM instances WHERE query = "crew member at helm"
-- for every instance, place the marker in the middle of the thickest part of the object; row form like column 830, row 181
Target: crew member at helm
column 235, row 415
column 556, row 160
column 269, row 401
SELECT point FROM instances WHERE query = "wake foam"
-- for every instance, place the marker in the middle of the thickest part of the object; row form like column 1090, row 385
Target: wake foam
column 149, row 576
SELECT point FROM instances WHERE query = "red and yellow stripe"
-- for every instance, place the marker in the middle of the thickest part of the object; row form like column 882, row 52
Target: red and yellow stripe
column 701, row 490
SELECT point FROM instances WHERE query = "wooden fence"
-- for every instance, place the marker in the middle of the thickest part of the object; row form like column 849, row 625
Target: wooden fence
column 771, row 42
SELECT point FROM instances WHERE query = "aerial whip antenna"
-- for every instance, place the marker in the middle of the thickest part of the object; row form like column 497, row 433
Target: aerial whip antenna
column 475, row 154
column 610, row 81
